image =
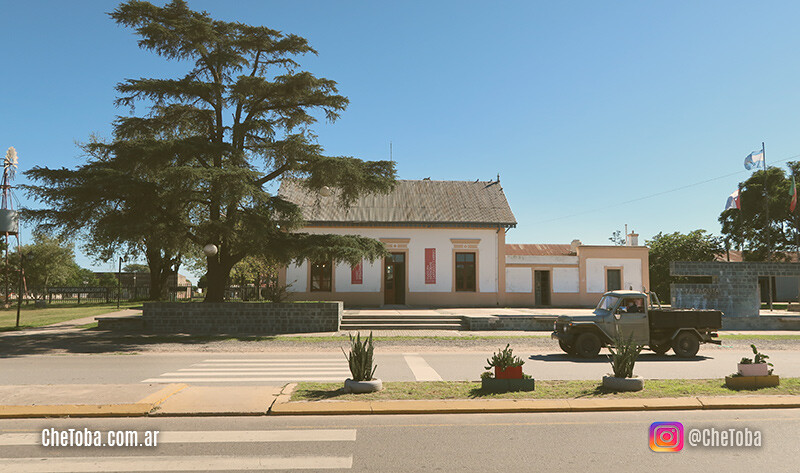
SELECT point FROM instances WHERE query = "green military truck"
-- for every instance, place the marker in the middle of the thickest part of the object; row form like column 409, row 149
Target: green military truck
column 638, row 315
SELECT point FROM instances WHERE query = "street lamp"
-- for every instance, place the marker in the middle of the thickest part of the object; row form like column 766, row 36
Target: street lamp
column 119, row 280
column 210, row 249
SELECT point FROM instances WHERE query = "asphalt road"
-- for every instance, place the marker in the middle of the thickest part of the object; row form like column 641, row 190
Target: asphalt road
column 279, row 368
column 569, row 442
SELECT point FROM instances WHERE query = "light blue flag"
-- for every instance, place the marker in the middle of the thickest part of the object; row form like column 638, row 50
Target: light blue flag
column 754, row 160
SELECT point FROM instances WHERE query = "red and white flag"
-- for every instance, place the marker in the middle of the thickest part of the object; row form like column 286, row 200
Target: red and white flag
column 734, row 201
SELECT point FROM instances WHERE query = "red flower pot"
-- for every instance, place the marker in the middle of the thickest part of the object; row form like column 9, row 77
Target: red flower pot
column 512, row 372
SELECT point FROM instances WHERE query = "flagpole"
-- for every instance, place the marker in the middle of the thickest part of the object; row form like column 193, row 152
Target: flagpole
column 767, row 226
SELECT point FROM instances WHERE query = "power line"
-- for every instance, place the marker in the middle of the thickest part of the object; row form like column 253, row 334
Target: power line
column 650, row 196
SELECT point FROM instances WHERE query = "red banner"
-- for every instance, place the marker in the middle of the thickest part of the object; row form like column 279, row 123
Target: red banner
column 357, row 273
column 430, row 265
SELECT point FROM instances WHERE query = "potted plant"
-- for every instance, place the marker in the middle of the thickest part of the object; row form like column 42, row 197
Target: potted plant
column 361, row 366
column 506, row 365
column 623, row 357
column 508, row 375
column 757, row 366
column 753, row 373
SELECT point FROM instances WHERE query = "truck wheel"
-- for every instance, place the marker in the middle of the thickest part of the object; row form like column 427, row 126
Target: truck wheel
column 661, row 348
column 568, row 349
column 686, row 345
column 587, row 345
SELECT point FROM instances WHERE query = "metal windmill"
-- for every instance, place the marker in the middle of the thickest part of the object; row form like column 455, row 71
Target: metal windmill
column 9, row 218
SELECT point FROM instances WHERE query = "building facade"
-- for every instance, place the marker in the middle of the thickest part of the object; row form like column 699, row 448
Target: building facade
column 447, row 248
column 573, row 275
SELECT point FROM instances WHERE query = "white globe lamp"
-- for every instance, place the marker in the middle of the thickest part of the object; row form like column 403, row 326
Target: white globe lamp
column 210, row 249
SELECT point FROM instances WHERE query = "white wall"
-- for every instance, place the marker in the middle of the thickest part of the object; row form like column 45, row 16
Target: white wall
column 371, row 281
column 519, row 280
column 596, row 274
column 565, row 280
column 419, row 240
column 538, row 259
column 297, row 277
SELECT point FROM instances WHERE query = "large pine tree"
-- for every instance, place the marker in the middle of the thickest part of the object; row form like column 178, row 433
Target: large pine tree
column 238, row 120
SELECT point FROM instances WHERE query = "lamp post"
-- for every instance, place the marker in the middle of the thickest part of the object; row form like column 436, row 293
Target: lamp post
column 119, row 280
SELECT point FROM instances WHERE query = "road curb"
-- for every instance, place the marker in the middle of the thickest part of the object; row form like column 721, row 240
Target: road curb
column 135, row 409
column 284, row 407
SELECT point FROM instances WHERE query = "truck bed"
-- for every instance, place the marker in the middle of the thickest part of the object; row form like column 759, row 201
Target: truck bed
column 678, row 318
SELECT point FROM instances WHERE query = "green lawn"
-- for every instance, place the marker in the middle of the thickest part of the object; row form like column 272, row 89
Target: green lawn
column 31, row 317
column 411, row 390
column 760, row 337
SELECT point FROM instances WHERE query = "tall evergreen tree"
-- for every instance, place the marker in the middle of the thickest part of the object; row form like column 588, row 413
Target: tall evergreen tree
column 239, row 120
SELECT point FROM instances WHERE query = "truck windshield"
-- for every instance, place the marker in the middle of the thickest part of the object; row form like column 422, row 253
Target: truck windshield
column 607, row 302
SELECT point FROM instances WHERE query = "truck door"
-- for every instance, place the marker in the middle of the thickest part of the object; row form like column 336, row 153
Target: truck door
column 630, row 318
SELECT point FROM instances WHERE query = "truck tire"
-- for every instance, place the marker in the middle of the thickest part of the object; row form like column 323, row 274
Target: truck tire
column 661, row 348
column 587, row 345
column 686, row 345
column 568, row 349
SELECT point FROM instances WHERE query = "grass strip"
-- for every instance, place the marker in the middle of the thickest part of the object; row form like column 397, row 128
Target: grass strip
column 739, row 336
column 31, row 317
column 545, row 389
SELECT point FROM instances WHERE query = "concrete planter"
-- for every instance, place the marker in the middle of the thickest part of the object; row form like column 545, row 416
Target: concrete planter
column 752, row 382
column 753, row 369
column 613, row 383
column 494, row 385
column 360, row 387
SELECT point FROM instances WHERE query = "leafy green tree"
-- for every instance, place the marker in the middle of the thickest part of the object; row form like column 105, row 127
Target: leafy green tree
column 236, row 122
column 107, row 280
column 697, row 245
column 763, row 233
column 135, row 268
column 48, row 261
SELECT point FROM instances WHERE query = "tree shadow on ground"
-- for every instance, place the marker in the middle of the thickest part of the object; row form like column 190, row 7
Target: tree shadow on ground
column 93, row 341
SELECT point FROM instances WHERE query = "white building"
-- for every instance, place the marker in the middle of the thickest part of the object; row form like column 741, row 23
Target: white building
column 447, row 248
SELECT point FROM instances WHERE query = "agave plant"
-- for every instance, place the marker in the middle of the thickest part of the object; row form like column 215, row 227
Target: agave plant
column 360, row 358
column 624, row 356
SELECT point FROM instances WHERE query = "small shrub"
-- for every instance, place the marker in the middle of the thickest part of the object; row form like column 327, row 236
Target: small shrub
column 504, row 359
column 360, row 358
column 623, row 356
column 487, row 375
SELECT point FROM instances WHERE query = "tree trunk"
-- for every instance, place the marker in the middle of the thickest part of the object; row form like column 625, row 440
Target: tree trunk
column 217, row 279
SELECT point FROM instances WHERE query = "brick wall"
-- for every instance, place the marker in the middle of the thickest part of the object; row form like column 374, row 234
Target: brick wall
column 241, row 317
column 734, row 287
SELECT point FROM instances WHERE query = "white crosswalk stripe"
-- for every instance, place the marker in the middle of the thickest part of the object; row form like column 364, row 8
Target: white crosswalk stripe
column 231, row 370
column 160, row 462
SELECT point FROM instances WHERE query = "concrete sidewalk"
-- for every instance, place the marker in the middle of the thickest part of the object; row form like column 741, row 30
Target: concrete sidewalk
column 185, row 400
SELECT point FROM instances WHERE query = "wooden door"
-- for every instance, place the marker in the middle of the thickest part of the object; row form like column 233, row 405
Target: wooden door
column 394, row 279
column 541, row 282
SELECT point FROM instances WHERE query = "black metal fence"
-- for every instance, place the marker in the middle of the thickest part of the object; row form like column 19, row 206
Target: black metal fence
column 97, row 295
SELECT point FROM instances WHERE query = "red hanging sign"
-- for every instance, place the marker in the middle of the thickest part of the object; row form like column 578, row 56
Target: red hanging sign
column 430, row 265
column 357, row 273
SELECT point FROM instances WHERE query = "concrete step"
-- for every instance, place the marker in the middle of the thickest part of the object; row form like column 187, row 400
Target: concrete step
column 399, row 317
column 437, row 326
column 448, row 320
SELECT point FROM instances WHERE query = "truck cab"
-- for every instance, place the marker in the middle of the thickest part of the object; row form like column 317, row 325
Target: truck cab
column 639, row 316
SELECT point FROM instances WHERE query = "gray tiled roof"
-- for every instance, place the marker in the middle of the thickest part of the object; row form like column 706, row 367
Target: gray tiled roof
column 411, row 202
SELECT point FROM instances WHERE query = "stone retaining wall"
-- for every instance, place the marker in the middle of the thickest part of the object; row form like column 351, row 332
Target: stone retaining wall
column 242, row 317
column 508, row 322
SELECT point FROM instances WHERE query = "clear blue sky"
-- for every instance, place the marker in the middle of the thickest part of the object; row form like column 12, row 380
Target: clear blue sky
column 580, row 106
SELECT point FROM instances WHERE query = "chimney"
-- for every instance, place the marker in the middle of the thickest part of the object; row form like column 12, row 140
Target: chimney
column 632, row 239
column 574, row 245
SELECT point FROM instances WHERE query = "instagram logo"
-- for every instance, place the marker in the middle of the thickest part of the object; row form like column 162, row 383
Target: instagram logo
column 666, row 436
